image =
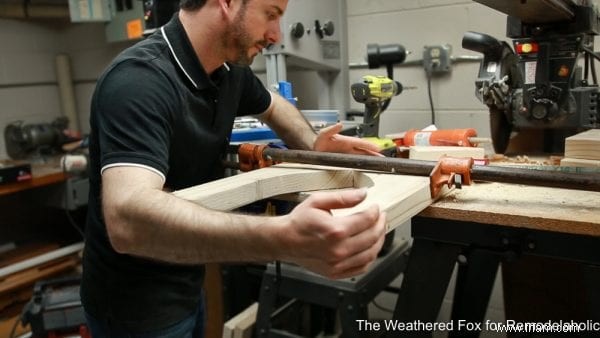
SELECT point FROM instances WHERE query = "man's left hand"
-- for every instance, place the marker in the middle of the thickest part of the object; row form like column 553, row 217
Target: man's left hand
column 329, row 140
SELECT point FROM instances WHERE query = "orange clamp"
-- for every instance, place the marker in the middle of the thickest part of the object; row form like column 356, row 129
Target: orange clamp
column 251, row 157
column 445, row 171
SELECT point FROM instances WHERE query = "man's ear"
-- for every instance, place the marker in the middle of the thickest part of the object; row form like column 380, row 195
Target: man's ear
column 226, row 7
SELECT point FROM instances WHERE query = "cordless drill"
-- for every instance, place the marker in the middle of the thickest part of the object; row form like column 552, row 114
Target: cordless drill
column 375, row 92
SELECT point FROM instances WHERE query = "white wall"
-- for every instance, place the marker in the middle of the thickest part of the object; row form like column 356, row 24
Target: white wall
column 28, row 50
column 415, row 24
column 28, row 83
column 28, row 89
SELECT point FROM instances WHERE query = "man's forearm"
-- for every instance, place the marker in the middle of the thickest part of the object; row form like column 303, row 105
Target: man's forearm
column 289, row 124
column 160, row 226
column 143, row 220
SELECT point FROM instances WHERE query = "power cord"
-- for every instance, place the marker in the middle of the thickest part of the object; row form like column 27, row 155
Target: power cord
column 428, row 74
column 591, row 54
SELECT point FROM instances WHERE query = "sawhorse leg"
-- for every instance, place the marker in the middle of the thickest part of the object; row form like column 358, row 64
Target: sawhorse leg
column 424, row 285
column 474, row 283
column 591, row 275
column 350, row 313
column 267, row 305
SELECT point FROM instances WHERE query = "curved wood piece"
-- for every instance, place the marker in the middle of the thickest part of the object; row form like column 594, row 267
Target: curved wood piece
column 400, row 196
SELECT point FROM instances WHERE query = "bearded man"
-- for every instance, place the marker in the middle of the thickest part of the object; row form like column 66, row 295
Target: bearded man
column 161, row 117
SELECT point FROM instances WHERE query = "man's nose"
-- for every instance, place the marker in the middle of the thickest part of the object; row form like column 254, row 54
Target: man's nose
column 274, row 33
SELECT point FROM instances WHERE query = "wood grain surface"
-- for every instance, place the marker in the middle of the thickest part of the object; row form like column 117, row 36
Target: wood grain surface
column 560, row 210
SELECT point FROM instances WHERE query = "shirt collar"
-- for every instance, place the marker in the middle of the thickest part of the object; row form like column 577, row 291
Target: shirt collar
column 184, row 55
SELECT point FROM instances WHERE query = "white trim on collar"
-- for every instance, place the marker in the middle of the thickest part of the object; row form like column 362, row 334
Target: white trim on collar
column 162, row 29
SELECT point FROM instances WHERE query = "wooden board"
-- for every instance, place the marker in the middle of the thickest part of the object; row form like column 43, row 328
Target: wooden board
column 551, row 209
column 26, row 251
column 29, row 276
column 585, row 145
column 434, row 153
column 578, row 162
column 241, row 325
column 401, row 196
column 213, row 287
column 7, row 323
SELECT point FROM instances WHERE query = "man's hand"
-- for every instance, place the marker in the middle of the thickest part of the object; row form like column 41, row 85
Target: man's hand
column 335, row 247
column 329, row 140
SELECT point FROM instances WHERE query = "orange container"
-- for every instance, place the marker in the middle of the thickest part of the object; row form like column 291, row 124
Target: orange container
column 448, row 137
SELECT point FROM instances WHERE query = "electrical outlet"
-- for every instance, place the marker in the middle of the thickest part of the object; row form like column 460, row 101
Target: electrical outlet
column 436, row 59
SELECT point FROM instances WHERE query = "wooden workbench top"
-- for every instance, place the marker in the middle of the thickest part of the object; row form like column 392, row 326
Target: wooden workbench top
column 552, row 209
column 49, row 172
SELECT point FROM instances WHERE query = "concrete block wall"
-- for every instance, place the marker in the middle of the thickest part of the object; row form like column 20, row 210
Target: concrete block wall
column 90, row 54
column 29, row 92
column 415, row 24
column 28, row 81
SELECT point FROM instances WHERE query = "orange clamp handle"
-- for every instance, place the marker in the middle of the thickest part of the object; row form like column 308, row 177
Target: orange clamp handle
column 445, row 171
column 442, row 137
column 251, row 157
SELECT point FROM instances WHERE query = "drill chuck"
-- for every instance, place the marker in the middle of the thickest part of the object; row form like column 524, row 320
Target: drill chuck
column 375, row 89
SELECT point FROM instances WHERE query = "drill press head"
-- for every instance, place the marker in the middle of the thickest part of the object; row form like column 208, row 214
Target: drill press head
column 541, row 85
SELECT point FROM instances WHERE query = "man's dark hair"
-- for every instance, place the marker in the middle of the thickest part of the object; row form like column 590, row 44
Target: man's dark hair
column 191, row 5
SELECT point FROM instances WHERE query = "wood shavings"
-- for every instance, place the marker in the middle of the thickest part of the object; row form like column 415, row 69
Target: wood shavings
column 501, row 159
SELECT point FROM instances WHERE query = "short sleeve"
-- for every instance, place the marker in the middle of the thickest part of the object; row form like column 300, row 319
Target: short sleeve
column 132, row 109
column 255, row 97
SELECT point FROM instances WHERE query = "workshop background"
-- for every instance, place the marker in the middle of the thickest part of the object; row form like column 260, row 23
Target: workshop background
column 29, row 86
column 30, row 79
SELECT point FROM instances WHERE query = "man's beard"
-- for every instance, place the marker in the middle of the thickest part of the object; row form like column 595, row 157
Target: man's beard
column 240, row 40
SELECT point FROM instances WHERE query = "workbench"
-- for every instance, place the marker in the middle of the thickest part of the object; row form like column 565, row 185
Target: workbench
column 486, row 224
column 43, row 174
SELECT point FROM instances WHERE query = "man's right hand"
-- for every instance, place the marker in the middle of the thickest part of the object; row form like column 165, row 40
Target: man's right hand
column 335, row 247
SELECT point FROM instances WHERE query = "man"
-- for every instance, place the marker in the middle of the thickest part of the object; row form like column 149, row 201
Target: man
column 161, row 116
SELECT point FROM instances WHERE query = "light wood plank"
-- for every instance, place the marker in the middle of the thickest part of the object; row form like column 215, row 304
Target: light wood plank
column 433, row 153
column 242, row 324
column 585, row 145
column 400, row 196
column 579, row 162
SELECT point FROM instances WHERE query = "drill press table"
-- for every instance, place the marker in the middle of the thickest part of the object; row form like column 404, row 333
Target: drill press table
column 483, row 225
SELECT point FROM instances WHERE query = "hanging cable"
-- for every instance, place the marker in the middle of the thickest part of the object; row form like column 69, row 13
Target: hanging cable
column 586, row 66
column 428, row 73
column 593, row 69
column 589, row 52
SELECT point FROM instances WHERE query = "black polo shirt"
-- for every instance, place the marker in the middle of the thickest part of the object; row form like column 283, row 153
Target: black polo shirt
column 156, row 107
